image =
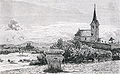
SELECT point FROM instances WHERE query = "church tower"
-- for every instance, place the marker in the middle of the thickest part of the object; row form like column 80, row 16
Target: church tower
column 94, row 27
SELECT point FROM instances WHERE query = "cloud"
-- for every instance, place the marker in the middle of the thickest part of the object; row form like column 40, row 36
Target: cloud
column 13, row 25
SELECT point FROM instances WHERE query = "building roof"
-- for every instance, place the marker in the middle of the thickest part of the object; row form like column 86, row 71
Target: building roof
column 95, row 16
column 111, row 39
column 83, row 32
column 86, row 33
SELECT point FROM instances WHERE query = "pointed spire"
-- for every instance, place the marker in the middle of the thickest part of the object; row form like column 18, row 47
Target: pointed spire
column 94, row 15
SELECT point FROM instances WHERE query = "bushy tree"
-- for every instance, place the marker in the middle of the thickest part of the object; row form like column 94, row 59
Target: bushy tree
column 29, row 46
column 60, row 43
column 77, row 52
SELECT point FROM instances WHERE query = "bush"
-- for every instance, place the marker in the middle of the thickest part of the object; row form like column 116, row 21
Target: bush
column 5, row 52
column 78, row 52
column 52, row 70
column 116, row 53
column 41, row 60
column 104, row 56
column 1, row 60
column 86, row 54
column 35, row 63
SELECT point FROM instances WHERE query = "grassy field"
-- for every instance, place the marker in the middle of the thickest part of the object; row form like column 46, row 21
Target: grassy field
column 16, row 57
column 110, row 67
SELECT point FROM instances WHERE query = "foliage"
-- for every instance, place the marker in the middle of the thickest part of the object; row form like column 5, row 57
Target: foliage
column 41, row 60
column 29, row 46
column 116, row 53
column 35, row 62
column 78, row 52
column 7, row 51
column 52, row 70
column 58, row 45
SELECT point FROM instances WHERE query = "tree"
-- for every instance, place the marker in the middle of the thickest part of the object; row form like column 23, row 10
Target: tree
column 60, row 43
column 29, row 46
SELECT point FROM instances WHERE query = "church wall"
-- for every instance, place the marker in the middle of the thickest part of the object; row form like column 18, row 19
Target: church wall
column 94, row 31
column 88, row 39
column 102, row 46
column 85, row 33
column 99, row 45
column 115, row 46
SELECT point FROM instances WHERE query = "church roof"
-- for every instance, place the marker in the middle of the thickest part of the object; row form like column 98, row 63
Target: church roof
column 95, row 16
column 83, row 33
column 111, row 39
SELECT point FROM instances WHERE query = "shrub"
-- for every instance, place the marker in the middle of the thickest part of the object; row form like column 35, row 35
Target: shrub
column 77, row 52
column 5, row 52
column 1, row 60
column 116, row 53
column 41, row 60
column 35, row 63
column 52, row 70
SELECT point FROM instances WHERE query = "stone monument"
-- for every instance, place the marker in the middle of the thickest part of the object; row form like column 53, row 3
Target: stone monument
column 54, row 60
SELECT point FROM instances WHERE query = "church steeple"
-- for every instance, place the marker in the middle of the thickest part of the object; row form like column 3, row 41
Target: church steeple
column 94, row 27
column 94, row 15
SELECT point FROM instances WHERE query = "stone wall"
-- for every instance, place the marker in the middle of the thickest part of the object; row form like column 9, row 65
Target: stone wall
column 99, row 45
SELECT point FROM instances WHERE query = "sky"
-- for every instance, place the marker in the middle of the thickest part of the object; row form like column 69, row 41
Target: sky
column 50, row 11
column 38, row 18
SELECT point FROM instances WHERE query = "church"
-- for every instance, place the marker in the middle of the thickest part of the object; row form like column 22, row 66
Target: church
column 90, row 35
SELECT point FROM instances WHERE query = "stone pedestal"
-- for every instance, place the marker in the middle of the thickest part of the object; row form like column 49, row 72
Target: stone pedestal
column 54, row 59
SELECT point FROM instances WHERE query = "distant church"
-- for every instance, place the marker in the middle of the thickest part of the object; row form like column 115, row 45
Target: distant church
column 90, row 35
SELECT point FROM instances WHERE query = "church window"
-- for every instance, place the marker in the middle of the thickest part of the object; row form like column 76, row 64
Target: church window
column 91, row 34
column 93, row 27
column 85, row 38
column 96, row 26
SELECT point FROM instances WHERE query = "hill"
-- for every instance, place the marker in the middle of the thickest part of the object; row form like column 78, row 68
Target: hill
column 50, row 34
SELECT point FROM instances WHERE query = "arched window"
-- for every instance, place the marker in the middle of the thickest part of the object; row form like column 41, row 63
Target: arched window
column 93, row 27
column 91, row 34
column 85, row 38
column 96, row 26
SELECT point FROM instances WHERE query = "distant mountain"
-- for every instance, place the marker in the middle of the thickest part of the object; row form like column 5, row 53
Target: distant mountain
column 39, row 45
